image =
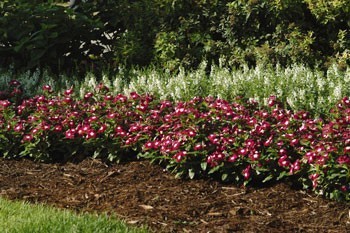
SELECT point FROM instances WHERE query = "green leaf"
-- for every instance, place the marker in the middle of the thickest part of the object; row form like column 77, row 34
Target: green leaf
column 282, row 175
column 191, row 173
column 214, row 169
column 204, row 166
column 224, row 176
column 268, row 178
column 179, row 175
column 96, row 154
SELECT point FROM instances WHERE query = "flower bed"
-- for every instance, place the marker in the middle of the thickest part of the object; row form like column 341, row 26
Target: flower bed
column 240, row 141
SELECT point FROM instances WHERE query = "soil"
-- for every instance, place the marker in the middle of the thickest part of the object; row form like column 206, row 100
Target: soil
column 141, row 193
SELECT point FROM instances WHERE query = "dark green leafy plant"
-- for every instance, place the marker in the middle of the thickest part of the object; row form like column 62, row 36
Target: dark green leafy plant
column 99, row 34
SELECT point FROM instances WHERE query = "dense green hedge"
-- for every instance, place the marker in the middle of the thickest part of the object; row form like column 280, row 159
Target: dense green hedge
column 174, row 32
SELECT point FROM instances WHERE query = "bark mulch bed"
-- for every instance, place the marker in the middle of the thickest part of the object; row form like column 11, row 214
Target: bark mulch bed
column 141, row 193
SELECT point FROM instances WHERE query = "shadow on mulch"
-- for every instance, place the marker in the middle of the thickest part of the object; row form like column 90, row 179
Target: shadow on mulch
column 141, row 193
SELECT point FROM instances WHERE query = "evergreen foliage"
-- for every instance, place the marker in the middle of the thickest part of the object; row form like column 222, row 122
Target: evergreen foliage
column 172, row 33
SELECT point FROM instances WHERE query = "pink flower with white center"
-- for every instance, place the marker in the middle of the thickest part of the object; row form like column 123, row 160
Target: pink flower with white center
column 86, row 128
column 118, row 129
column 71, row 124
column 229, row 113
column 268, row 142
column 5, row 103
column 272, row 101
column 27, row 138
column 347, row 141
column 191, row 133
column 67, row 100
column 108, row 98
column 179, row 111
column 156, row 144
column 58, row 128
column 148, row 145
column 16, row 92
column 102, row 87
column 102, row 128
column 230, row 140
column 134, row 95
column 179, row 156
column 142, row 107
column 219, row 156
column 80, row 131
column 280, row 143
column 252, row 122
column 250, row 143
column 41, row 99
column 303, row 127
column 310, row 156
column 111, row 115
column 321, row 160
column 91, row 134
column 14, row 83
column 167, row 142
column 286, row 123
column 243, row 152
column 346, row 149
column 45, row 126
column 294, row 142
column 134, row 128
column 176, row 145
column 68, row 92
column 233, row 158
column 70, row 134
column 282, row 152
column 122, row 134
column 314, row 179
column 246, row 172
column 283, row 161
column 18, row 127
column 264, row 114
column 211, row 161
column 88, row 95
column 47, row 88
column 34, row 131
column 165, row 149
column 254, row 156
column 92, row 119
column 121, row 98
column 344, row 159
column 294, row 167
column 213, row 139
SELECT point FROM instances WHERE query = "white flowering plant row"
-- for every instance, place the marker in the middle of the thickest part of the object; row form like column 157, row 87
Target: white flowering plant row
column 298, row 87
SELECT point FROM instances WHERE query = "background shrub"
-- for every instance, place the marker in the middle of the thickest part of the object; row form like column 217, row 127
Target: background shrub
column 173, row 33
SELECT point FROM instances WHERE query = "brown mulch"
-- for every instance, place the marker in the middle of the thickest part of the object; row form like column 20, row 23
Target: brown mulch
column 141, row 193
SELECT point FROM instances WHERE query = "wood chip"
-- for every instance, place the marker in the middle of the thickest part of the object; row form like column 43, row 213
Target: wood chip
column 203, row 221
column 133, row 221
column 146, row 207
column 215, row 214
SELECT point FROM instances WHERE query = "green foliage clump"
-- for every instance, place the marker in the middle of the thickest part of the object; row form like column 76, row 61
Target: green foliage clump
column 174, row 33
column 40, row 35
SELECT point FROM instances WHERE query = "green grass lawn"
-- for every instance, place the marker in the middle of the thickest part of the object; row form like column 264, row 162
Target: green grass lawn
column 23, row 217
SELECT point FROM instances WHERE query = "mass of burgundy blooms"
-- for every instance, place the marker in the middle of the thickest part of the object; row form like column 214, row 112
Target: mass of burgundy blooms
column 240, row 142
